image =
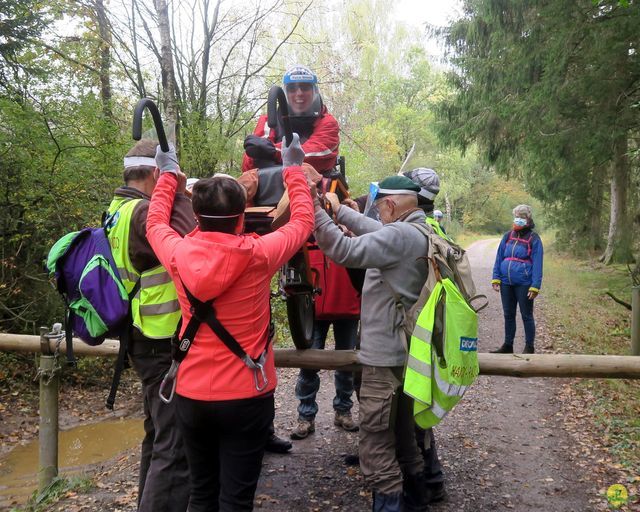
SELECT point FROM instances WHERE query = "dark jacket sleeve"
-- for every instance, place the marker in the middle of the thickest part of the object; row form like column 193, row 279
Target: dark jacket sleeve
column 140, row 252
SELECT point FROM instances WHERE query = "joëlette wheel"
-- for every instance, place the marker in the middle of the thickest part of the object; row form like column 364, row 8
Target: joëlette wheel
column 300, row 311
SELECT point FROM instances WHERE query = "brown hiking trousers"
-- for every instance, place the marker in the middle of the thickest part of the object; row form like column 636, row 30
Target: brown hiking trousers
column 388, row 447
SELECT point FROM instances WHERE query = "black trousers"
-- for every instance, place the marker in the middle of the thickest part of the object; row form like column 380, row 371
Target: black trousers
column 164, row 475
column 224, row 442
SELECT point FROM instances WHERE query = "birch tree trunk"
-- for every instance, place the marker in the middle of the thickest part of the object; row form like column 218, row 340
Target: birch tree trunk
column 105, row 57
column 166, row 68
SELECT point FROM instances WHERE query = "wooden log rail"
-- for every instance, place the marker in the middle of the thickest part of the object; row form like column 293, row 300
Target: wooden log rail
column 516, row 365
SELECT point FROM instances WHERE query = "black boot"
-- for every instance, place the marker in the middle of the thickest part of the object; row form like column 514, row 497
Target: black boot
column 437, row 492
column 415, row 493
column 504, row 349
column 528, row 349
column 352, row 459
column 276, row 444
column 387, row 502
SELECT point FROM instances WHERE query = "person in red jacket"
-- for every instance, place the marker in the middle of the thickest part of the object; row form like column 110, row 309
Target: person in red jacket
column 224, row 407
column 337, row 305
column 319, row 135
column 310, row 119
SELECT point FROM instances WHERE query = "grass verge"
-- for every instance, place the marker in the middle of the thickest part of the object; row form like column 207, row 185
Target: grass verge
column 582, row 319
column 60, row 487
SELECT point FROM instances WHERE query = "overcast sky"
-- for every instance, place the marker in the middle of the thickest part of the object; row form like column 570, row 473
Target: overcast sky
column 434, row 12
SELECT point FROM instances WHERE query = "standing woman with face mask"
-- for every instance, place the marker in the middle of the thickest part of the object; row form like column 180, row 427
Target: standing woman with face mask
column 517, row 275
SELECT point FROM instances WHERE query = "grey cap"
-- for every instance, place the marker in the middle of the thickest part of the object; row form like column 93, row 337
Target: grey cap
column 428, row 180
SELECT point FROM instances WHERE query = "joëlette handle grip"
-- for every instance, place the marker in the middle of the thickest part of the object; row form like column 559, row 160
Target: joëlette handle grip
column 157, row 121
column 277, row 98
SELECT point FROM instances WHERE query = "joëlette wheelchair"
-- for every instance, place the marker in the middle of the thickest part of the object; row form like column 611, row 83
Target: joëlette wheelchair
column 297, row 281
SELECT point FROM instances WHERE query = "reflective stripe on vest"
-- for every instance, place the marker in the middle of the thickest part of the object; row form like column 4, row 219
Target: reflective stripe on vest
column 155, row 308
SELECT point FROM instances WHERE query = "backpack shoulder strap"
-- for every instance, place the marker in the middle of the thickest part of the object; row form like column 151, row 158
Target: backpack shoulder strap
column 123, row 350
column 204, row 312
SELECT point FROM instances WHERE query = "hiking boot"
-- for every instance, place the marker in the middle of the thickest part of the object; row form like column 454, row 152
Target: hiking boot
column 415, row 493
column 303, row 429
column 528, row 349
column 345, row 421
column 504, row 349
column 352, row 459
column 437, row 492
column 276, row 444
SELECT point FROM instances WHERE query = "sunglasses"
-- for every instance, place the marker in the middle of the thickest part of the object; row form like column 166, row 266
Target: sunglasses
column 302, row 87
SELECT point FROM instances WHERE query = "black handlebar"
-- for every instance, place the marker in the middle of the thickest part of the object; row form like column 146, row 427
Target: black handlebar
column 277, row 98
column 157, row 121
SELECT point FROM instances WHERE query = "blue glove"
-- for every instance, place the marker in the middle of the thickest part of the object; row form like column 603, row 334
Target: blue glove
column 293, row 153
column 167, row 162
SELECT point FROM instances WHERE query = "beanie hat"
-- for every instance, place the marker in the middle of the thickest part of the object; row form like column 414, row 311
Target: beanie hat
column 397, row 185
column 429, row 183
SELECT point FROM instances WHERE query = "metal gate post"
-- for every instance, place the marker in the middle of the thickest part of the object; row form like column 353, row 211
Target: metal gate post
column 635, row 321
column 48, row 373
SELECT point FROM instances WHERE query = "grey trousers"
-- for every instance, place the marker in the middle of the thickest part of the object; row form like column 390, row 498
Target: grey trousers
column 163, row 484
column 388, row 447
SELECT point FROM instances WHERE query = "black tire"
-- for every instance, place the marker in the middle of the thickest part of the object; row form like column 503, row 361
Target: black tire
column 301, row 314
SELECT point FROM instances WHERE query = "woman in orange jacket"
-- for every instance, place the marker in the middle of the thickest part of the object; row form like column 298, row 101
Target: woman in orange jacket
column 224, row 406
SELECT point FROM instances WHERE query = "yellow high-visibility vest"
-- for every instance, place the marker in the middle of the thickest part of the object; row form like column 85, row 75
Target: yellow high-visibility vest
column 155, row 309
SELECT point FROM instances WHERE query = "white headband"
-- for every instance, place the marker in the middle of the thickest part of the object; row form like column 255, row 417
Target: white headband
column 135, row 161
column 399, row 192
column 219, row 216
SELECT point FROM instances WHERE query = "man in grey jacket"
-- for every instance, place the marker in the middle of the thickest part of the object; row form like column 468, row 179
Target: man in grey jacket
column 393, row 253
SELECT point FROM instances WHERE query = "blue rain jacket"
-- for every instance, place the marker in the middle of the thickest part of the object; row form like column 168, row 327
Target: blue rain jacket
column 519, row 259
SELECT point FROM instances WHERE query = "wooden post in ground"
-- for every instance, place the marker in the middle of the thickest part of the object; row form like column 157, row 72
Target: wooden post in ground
column 48, row 434
column 635, row 321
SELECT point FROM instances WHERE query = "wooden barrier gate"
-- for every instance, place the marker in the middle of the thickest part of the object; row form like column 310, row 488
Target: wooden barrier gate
column 51, row 345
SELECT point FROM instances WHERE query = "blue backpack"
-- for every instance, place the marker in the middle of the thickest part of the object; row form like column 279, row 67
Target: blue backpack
column 97, row 303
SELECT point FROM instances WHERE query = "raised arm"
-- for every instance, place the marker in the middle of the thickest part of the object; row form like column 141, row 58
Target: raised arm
column 382, row 248
column 162, row 237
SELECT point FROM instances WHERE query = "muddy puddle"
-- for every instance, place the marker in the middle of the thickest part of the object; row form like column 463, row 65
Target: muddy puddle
column 78, row 449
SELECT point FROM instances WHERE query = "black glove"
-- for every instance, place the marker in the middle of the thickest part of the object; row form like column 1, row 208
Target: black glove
column 167, row 162
column 292, row 154
column 259, row 147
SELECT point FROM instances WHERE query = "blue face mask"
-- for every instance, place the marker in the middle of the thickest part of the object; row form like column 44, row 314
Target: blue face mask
column 519, row 222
